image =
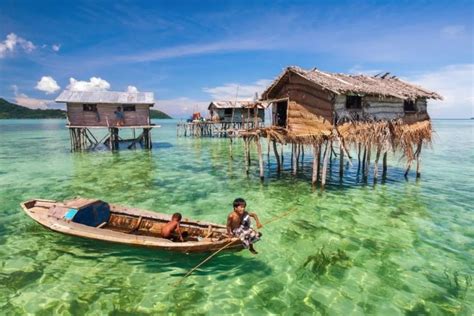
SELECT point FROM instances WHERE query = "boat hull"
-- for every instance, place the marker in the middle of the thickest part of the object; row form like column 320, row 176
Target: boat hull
column 144, row 235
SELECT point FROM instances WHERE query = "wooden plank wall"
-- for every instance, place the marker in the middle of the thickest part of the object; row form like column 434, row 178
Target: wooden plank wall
column 105, row 113
column 375, row 107
column 238, row 115
column 310, row 109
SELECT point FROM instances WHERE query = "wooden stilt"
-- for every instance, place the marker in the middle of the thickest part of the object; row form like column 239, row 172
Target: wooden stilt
column 384, row 165
column 246, row 155
column 302, row 153
column 294, row 159
column 376, row 164
column 341, row 162
column 367, row 163
column 359, row 149
column 281, row 155
column 260, row 157
column 418, row 160
column 316, row 157
column 325, row 165
column 277, row 156
column 408, row 168
column 364, row 156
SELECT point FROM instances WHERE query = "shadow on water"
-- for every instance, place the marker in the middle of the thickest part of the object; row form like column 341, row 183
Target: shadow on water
column 161, row 145
column 233, row 263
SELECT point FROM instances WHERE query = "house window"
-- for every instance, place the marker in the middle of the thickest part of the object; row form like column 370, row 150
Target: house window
column 353, row 102
column 409, row 106
column 227, row 111
column 128, row 108
column 252, row 112
column 89, row 107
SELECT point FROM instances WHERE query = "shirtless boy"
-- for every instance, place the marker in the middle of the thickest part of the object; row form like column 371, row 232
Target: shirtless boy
column 238, row 225
column 172, row 227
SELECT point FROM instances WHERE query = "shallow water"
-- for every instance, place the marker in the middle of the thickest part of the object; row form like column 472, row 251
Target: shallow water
column 402, row 247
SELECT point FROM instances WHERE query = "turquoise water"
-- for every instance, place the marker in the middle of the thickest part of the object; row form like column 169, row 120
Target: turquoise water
column 399, row 248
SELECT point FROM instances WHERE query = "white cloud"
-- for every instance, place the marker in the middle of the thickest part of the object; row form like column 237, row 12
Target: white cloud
column 47, row 84
column 181, row 107
column 94, row 84
column 32, row 103
column 452, row 31
column 56, row 47
column 195, row 49
column 12, row 41
column 456, row 84
column 233, row 91
column 132, row 89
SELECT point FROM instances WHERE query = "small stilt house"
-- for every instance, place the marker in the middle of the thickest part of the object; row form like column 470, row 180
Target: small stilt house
column 367, row 113
column 236, row 111
column 112, row 110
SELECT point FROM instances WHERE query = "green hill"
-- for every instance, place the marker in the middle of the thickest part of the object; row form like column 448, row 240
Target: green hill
column 13, row 111
column 157, row 114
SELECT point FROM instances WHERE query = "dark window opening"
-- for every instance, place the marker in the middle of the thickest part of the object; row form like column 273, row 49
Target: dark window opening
column 252, row 112
column 227, row 111
column 89, row 107
column 280, row 114
column 128, row 108
column 353, row 102
column 409, row 106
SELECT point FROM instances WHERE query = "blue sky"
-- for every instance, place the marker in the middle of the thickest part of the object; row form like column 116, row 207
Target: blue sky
column 191, row 52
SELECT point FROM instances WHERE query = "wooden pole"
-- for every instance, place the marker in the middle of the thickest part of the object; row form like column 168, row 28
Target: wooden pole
column 282, row 157
column 318, row 175
column 325, row 165
column 341, row 162
column 260, row 157
column 418, row 160
column 376, row 164
column 277, row 156
column 246, row 155
column 358, row 157
column 367, row 163
column 294, row 159
column 384, row 165
column 316, row 154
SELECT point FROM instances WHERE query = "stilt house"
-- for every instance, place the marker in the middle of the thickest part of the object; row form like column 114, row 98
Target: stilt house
column 236, row 111
column 368, row 113
column 113, row 110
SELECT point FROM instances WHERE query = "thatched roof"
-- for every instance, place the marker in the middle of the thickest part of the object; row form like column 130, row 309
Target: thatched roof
column 109, row 97
column 385, row 85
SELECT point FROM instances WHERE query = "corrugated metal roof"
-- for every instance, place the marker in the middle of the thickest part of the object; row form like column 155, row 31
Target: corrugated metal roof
column 114, row 97
column 231, row 104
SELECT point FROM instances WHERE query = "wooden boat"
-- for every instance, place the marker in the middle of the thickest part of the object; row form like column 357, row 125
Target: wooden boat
column 99, row 220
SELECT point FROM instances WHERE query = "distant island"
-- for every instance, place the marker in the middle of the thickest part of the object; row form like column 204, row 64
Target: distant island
column 157, row 114
column 13, row 111
column 10, row 110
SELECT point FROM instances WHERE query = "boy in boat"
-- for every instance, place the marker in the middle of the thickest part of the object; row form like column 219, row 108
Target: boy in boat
column 170, row 229
column 238, row 225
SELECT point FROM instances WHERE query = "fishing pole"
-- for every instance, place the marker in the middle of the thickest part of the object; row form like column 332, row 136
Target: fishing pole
column 273, row 219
